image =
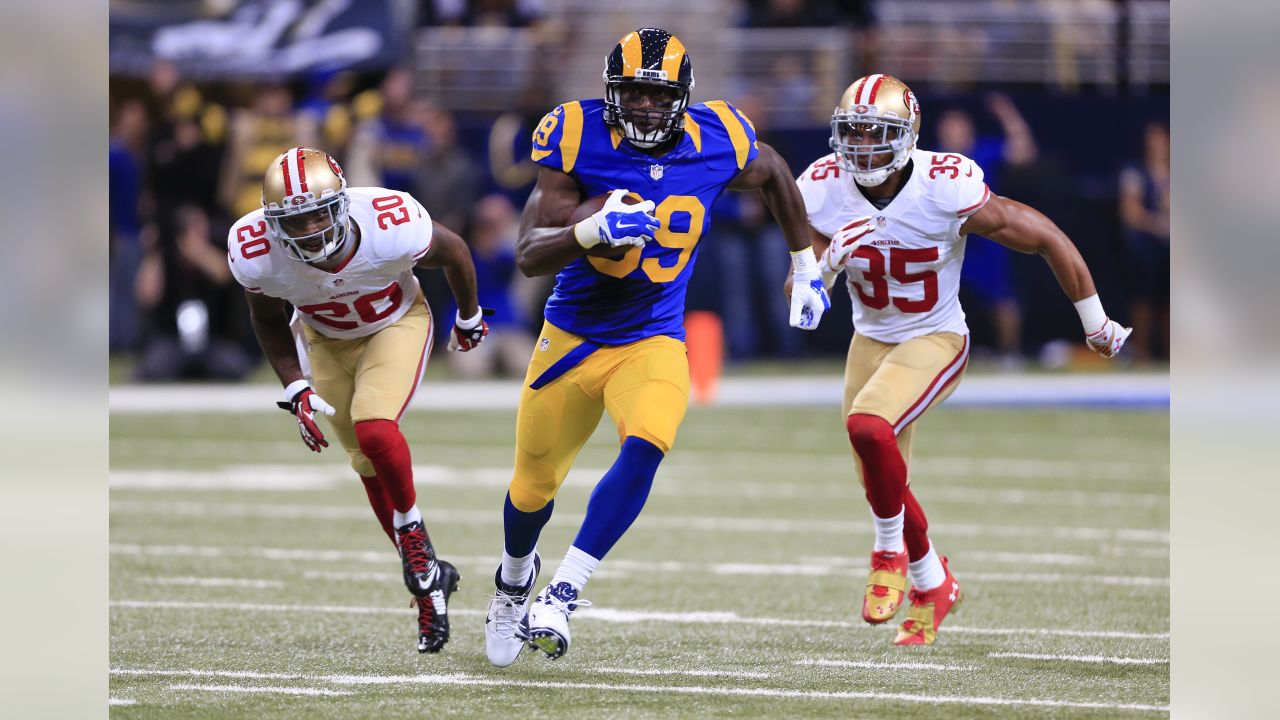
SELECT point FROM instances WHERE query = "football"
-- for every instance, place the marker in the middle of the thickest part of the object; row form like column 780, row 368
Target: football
column 591, row 206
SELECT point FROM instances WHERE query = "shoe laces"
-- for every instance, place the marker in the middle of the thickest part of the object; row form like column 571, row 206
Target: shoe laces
column 426, row 615
column 506, row 610
column 413, row 548
column 879, row 561
column 563, row 598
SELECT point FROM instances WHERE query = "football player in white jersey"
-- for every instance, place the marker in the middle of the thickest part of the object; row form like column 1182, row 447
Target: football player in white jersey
column 344, row 258
column 894, row 218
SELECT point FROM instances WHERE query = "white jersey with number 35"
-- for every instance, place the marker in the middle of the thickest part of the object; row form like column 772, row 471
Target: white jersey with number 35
column 375, row 286
column 905, row 277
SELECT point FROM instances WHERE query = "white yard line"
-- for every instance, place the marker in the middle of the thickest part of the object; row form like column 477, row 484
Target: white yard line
column 650, row 522
column 689, row 673
column 211, row 582
column 625, row 616
column 236, row 674
column 259, row 689
column 1116, row 390
column 463, row 679
column 878, row 665
column 121, row 701
column 1082, row 658
column 617, row 568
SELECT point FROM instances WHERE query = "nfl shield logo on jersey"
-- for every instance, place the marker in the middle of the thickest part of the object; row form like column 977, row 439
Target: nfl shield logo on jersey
column 881, row 221
column 655, row 172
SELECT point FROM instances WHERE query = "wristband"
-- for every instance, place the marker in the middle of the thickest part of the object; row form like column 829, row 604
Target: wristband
column 804, row 263
column 470, row 323
column 587, row 233
column 1092, row 316
column 294, row 388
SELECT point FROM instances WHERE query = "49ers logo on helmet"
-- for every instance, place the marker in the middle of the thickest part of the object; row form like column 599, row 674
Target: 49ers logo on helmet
column 860, row 110
column 298, row 199
column 909, row 99
column 333, row 165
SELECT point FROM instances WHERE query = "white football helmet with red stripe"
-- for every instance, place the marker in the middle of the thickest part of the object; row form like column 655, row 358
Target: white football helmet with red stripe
column 304, row 201
column 875, row 128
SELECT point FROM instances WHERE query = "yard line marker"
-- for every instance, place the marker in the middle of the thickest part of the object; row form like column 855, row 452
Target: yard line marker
column 259, row 689
column 691, row 673
column 681, row 522
column 877, row 665
column 629, row 616
column 238, row 674
column 121, row 701
column 211, row 582
column 616, row 568
column 1082, row 658
column 462, row 679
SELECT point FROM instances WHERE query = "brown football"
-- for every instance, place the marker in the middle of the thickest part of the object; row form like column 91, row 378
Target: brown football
column 590, row 207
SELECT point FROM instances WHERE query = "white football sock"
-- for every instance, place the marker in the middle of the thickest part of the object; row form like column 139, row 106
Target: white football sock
column 889, row 531
column 516, row 570
column 927, row 573
column 400, row 519
column 576, row 569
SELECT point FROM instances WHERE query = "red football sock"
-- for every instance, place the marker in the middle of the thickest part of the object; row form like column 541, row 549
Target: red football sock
column 381, row 504
column 384, row 445
column 915, row 528
column 884, row 473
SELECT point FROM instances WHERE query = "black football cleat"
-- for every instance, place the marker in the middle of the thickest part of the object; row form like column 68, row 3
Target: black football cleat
column 433, row 609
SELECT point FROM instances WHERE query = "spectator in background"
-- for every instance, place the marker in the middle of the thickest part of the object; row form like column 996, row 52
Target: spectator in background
column 259, row 134
column 494, row 225
column 187, row 287
column 447, row 180
column 326, row 107
column 126, row 160
column 1144, row 213
column 986, row 273
column 390, row 146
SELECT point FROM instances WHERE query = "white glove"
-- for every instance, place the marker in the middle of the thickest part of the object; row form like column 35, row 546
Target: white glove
column 843, row 245
column 809, row 298
column 1104, row 335
column 618, row 224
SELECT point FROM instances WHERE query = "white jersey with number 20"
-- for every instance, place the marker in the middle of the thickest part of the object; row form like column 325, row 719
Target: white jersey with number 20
column 374, row 288
column 905, row 277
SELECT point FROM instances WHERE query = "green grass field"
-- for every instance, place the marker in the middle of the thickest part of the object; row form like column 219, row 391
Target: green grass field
column 249, row 579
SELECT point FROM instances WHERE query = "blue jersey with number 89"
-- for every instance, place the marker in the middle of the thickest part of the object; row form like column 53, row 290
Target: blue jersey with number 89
column 615, row 302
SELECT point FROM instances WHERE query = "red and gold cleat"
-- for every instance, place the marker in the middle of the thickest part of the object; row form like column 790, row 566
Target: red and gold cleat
column 886, row 586
column 928, row 609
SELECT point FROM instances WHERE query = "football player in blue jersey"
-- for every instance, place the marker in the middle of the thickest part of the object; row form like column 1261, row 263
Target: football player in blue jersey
column 614, row 333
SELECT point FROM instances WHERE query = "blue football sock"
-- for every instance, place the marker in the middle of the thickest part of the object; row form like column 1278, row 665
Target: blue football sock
column 522, row 528
column 618, row 497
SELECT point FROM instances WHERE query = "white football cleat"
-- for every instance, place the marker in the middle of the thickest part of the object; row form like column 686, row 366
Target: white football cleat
column 506, row 624
column 549, row 619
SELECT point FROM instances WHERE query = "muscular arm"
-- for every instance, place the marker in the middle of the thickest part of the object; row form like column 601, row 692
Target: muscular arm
column 271, row 325
column 769, row 174
column 1025, row 229
column 546, row 243
column 448, row 251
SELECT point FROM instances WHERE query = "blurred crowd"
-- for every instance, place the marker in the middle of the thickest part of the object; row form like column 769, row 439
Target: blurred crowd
column 186, row 160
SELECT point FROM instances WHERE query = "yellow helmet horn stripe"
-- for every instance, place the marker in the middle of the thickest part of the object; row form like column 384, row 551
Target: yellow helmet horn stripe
column 631, row 54
column 672, row 58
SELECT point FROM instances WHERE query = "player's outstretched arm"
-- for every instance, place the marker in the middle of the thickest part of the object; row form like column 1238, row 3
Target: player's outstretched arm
column 769, row 174
column 271, row 325
column 545, row 244
column 448, row 251
column 1025, row 229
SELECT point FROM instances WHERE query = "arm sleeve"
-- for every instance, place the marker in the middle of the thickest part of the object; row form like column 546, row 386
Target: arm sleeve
column 971, row 189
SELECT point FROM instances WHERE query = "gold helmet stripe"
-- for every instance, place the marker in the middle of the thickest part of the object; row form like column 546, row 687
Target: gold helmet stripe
column 571, row 136
column 631, row 54
column 672, row 58
column 737, row 133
